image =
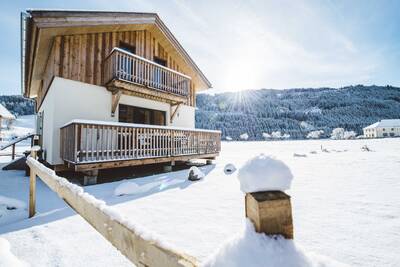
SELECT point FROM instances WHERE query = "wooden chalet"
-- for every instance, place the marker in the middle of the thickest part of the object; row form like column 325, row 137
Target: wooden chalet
column 112, row 89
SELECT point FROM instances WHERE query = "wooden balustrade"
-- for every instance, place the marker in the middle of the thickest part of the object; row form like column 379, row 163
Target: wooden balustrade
column 86, row 142
column 125, row 66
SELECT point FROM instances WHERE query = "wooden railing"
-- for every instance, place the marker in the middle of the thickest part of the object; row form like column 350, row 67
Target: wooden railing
column 91, row 141
column 122, row 65
column 130, row 241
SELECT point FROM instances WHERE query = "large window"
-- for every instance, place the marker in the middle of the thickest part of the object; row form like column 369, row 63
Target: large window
column 133, row 114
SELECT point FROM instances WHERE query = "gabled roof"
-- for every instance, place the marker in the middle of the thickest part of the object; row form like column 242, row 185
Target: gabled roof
column 384, row 123
column 39, row 26
column 5, row 114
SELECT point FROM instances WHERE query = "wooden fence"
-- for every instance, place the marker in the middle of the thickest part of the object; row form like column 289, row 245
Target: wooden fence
column 122, row 65
column 86, row 142
column 140, row 251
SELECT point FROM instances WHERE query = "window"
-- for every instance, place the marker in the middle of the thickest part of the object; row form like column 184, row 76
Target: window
column 392, row 129
column 385, row 134
column 131, row 114
column 160, row 61
column 127, row 47
column 383, row 129
column 391, row 134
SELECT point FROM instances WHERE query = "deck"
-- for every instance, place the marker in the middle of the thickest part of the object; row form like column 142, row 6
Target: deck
column 142, row 77
column 90, row 145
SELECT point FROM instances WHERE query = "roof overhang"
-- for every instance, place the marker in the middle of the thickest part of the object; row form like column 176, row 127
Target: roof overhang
column 41, row 26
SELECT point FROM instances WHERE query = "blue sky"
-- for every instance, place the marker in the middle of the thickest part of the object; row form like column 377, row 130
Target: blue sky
column 254, row 44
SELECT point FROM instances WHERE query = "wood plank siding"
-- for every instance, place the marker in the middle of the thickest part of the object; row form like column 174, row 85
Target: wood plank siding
column 81, row 57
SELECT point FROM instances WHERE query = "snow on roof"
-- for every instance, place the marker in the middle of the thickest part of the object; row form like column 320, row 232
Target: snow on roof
column 5, row 114
column 385, row 123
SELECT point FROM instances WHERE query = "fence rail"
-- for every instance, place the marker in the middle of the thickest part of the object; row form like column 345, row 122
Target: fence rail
column 140, row 251
column 96, row 142
column 122, row 65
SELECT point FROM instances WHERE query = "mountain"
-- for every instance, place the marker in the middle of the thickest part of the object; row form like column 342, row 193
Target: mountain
column 17, row 104
column 296, row 111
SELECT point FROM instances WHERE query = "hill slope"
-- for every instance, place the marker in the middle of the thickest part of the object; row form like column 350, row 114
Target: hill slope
column 296, row 111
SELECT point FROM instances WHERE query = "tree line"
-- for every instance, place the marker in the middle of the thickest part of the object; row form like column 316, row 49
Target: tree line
column 296, row 112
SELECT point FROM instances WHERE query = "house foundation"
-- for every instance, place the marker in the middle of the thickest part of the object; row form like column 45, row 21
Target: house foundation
column 90, row 177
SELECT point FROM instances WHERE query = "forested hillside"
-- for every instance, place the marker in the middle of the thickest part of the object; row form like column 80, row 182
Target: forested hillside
column 296, row 111
column 17, row 104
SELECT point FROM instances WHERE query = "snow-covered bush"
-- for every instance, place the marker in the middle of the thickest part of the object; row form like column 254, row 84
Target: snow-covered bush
column 305, row 125
column 349, row 135
column 266, row 136
column 264, row 173
column 228, row 138
column 340, row 133
column 276, row 135
column 279, row 135
column 315, row 134
column 337, row 133
column 244, row 136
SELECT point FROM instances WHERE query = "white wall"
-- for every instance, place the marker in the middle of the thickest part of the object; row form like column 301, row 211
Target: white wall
column 378, row 132
column 67, row 100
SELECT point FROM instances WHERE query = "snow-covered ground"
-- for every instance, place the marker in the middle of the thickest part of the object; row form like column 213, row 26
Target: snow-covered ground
column 22, row 126
column 346, row 206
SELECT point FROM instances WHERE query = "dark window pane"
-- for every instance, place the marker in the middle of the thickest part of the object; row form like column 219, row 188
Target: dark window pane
column 127, row 47
column 131, row 114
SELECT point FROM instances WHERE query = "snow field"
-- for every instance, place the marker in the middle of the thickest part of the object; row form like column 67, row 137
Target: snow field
column 345, row 206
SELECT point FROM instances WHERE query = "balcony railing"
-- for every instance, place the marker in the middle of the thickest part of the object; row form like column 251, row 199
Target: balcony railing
column 93, row 141
column 125, row 66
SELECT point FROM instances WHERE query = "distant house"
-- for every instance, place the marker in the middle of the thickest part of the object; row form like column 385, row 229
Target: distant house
column 112, row 89
column 383, row 128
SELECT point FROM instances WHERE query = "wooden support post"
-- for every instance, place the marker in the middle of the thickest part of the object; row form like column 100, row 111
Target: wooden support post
column 13, row 152
column 174, row 112
column 115, row 97
column 270, row 212
column 32, row 185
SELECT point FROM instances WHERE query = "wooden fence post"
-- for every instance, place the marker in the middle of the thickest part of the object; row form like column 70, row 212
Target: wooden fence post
column 13, row 152
column 32, row 185
column 270, row 212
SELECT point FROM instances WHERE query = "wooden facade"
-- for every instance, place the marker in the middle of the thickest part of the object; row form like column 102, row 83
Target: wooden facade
column 82, row 58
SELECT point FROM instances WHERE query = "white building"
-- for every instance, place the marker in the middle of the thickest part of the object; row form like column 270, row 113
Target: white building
column 383, row 128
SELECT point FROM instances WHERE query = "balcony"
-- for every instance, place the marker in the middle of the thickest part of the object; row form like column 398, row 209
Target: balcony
column 90, row 145
column 127, row 71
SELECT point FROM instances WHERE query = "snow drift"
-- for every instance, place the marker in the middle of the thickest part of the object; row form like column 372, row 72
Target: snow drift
column 264, row 173
column 252, row 249
column 7, row 258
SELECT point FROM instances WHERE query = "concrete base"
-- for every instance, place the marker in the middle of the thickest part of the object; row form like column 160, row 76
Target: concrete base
column 209, row 161
column 89, row 180
column 90, row 177
column 167, row 168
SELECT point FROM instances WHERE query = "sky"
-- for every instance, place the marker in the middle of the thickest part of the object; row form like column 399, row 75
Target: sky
column 253, row 44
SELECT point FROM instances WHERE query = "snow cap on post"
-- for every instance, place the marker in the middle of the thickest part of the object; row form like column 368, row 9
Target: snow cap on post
column 264, row 173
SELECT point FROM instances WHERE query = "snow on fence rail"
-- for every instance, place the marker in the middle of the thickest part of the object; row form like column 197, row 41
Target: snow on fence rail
column 141, row 248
